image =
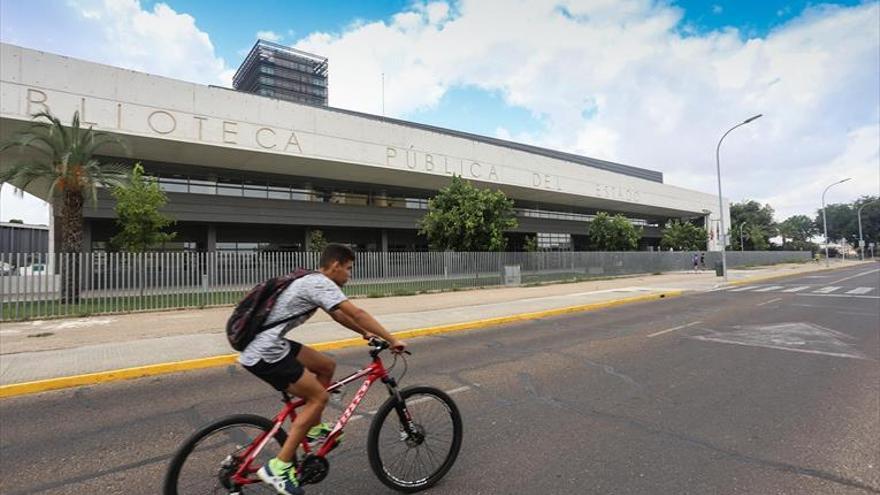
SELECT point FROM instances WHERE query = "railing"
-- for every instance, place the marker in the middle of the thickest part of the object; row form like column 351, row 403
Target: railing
column 39, row 285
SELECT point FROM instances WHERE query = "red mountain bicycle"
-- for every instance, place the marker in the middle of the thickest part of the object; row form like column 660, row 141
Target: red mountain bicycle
column 409, row 450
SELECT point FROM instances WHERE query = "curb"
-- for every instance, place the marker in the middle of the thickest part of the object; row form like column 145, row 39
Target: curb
column 752, row 280
column 16, row 389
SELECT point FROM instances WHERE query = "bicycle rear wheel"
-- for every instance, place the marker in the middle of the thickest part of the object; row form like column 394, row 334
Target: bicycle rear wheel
column 412, row 463
column 205, row 462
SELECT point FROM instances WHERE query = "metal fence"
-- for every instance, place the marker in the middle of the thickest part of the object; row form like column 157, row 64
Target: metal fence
column 39, row 285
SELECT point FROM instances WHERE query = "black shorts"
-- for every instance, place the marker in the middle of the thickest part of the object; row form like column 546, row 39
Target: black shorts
column 282, row 373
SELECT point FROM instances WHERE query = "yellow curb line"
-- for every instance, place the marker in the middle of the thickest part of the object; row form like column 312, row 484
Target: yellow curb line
column 774, row 277
column 16, row 389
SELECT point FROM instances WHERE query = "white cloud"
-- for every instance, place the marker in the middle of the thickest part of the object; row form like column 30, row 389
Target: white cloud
column 115, row 32
column 717, row 9
column 618, row 80
column 269, row 36
column 121, row 33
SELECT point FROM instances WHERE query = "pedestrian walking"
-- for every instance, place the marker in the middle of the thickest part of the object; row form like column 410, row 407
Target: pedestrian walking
column 696, row 260
column 702, row 261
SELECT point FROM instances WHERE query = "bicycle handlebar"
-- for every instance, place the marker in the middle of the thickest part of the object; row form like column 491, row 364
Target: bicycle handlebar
column 380, row 345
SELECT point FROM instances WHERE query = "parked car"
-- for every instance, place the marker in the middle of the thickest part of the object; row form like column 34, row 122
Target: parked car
column 34, row 269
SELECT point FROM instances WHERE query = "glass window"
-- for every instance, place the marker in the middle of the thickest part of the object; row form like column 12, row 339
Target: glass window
column 229, row 189
column 169, row 184
column 202, row 186
column 255, row 190
column 301, row 194
column 279, row 192
column 553, row 241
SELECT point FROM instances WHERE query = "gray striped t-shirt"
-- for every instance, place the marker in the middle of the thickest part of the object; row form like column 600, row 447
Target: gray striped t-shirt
column 303, row 297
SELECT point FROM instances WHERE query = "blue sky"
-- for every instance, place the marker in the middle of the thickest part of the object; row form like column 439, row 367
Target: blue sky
column 466, row 108
column 650, row 84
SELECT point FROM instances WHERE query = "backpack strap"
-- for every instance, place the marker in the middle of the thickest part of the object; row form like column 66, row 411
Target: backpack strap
column 284, row 320
column 300, row 273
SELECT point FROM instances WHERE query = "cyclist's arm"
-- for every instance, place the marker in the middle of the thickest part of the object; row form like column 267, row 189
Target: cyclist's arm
column 346, row 321
column 355, row 318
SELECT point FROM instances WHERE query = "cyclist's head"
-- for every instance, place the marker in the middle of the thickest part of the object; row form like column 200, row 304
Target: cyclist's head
column 336, row 263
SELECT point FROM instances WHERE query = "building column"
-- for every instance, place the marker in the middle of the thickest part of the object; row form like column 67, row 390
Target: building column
column 211, row 239
column 87, row 236
column 308, row 239
column 384, row 248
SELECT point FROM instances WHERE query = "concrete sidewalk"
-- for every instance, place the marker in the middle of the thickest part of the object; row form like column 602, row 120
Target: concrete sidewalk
column 41, row 350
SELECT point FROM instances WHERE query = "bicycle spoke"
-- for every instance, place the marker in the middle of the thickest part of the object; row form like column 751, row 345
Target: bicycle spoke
column 409, row 463
column 203, row 469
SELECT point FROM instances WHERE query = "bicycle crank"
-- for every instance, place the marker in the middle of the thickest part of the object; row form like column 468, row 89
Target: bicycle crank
column 313, row 469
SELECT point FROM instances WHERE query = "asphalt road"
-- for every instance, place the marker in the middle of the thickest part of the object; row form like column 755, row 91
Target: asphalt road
column 765, row 389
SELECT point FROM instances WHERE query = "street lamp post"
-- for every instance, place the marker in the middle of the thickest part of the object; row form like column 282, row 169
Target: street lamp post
column 741, row 244
column 824, row 220
column 861, row 239
column 723, row 235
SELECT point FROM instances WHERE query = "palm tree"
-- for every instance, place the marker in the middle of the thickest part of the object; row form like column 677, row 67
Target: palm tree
column 63, row 159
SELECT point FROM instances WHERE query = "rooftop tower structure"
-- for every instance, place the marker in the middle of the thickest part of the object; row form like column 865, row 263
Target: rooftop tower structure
column 282, row 72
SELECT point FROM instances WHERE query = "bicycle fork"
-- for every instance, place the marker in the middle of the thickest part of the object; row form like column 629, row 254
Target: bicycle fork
column 409, row 430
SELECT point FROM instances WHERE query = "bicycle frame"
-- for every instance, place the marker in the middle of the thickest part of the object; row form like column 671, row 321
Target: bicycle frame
column 375, row 371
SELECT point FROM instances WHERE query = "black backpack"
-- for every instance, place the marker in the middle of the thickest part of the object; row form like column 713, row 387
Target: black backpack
column 249, row 317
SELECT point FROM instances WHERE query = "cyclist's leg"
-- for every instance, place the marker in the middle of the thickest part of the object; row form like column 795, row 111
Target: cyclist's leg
column 310, row 389
column 318, row 363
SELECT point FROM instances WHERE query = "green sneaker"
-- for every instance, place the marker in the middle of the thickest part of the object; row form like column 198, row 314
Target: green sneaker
column 318, row 433
column 281, row 476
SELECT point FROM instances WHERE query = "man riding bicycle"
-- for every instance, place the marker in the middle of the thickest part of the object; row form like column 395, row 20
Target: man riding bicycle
column 298, row 369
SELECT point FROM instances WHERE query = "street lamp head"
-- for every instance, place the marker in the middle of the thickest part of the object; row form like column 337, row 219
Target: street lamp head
column 756, row 117
column 844, row 180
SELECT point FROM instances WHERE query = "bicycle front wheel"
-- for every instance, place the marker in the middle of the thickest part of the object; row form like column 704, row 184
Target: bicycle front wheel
column 410, row 463
column 207, row 460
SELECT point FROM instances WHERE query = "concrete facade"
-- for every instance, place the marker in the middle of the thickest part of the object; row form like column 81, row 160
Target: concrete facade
column 176, row 125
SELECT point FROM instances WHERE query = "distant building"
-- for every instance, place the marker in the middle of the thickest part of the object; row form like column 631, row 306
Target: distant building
column 285, row 73
column 244, row 172
column 23, row 238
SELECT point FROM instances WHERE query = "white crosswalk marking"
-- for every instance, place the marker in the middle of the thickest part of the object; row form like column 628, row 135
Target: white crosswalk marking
column 748, row 287
column 826, row 290
column 860, row 290
column 768, row 289
column 797, row 289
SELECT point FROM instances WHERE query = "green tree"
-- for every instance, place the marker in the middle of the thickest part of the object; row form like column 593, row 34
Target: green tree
column 317, row 241
column 870, row 219
column 61, row 161
column 613, row 233
column 843, row 222
column 141, row 225
column 683, row 237
column 16, row 220
column 759, row 225
column 531, row 243
column 797, row 231
column 462, row 217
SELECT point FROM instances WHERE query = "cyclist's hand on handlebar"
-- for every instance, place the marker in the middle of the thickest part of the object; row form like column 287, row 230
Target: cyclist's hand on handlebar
column 397, row 346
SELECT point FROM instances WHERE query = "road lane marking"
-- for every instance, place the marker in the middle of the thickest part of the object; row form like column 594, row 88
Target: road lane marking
column 661, row 332
column 851, row 296
column 826, row 290
column 782, row 348
column 770, row 301
column 769, row 288
column 748, row 287
column 860, row 290
column 803, row 337
column 797, row 289
column 857, row 275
